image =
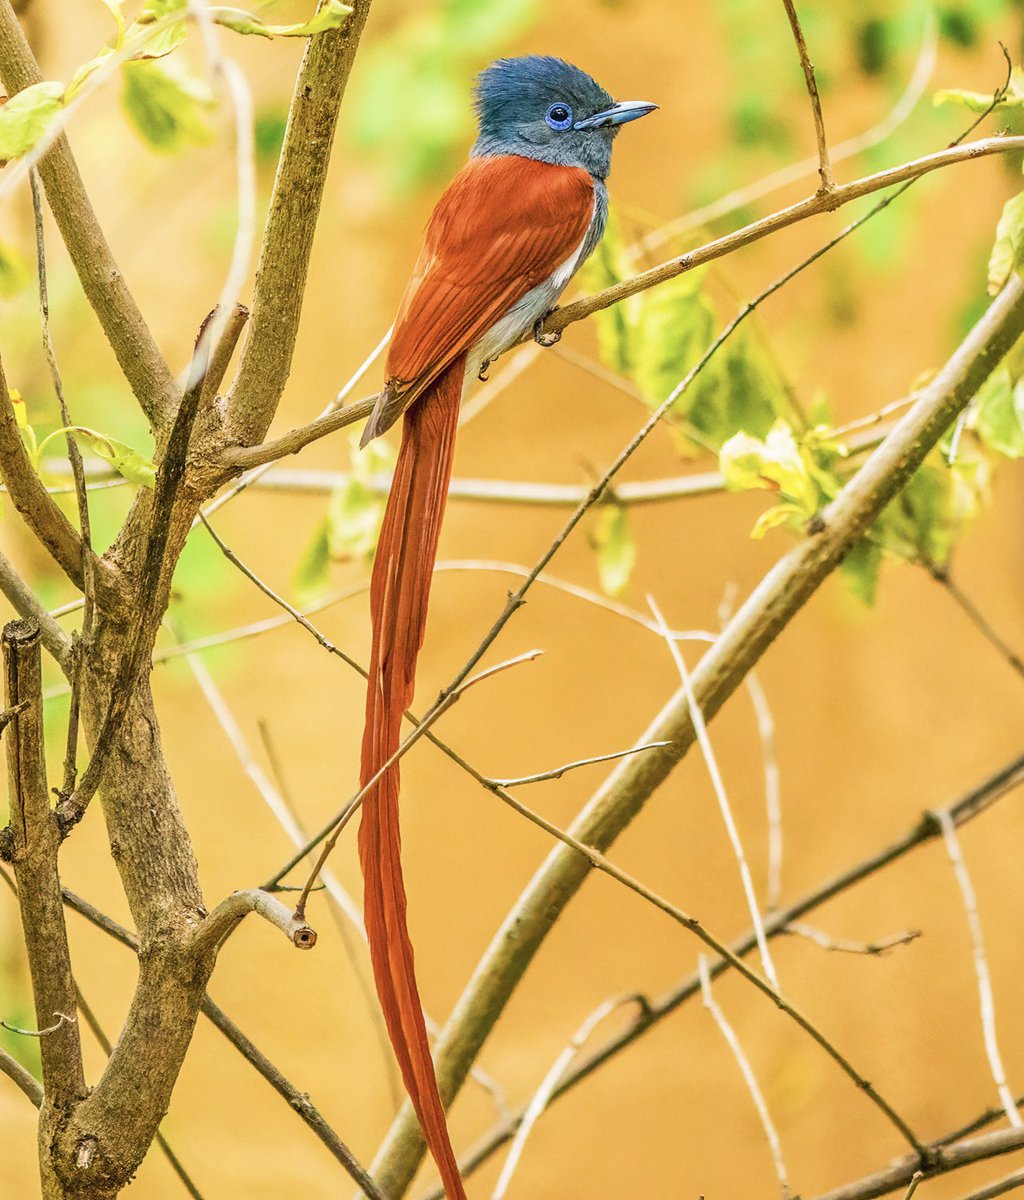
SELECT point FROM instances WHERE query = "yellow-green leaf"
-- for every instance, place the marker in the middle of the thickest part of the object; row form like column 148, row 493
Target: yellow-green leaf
column 776, row 464
column 132, row 464
column 28, row 434
column 313, row 568
column 13, row 271
column 616, row 550
column 999, row 414
column 1009, row 244
column 166, row 105
column 330, row 16
column 26, row 117
column 860, row 570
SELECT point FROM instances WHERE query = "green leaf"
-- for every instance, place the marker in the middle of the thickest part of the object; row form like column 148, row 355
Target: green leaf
column 1009, row 244
column 778, row 514
column 616, row 550
column 330, row 16
column 25, row 118
column 860, row 570
column 999, row 414
column 165, row 40
column 313, row 569
column 114, row 8
column 616, row 325
column 979, row 102
column 13, row 271
column 777, row 464
column 28, row 434
column 355, row 511
column 166, row 105
column 132, row 464
column 676, row 326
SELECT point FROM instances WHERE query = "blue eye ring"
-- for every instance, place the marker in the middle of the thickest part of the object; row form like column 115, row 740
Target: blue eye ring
column 559, row 116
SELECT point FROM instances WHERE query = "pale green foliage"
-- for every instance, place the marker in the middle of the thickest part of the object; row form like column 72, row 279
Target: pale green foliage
column 1009, row 244
column 409, row 97
column 13, row 272
column 351, row 526
column 26, row 117
column 978, row 102
column 166, row 105
column 330, row 16
column 616, row 550
column 998, row 416
column 128, row 462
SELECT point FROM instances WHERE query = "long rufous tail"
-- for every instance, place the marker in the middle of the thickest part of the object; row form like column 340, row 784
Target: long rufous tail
column 399, row 591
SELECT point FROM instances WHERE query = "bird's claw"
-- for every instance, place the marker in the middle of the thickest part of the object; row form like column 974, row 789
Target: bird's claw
column 542, row 337
column 482, row 373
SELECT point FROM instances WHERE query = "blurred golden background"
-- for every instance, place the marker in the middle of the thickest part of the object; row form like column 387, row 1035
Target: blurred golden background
column 881, row 712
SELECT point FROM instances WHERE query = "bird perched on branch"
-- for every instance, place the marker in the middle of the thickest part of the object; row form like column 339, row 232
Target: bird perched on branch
column 501, row 246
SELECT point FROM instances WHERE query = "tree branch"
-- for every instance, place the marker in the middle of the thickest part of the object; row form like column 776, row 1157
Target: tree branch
column 41, row 513
column 288, row 239
column 28, row 1083
column 221, row 923
column 32, row 842
column 814, row 205
column 828, row 183
column 777, row 924
column 773, row 604
column 103, row 284
column 27, row 604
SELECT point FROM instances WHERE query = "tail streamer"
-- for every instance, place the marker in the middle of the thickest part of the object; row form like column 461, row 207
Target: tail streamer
column 399, row 592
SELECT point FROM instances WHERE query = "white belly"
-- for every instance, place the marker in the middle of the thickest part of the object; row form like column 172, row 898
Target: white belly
column 524, row 315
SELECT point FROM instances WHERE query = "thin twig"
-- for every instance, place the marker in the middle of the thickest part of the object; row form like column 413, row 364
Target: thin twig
column 81, row 494
column 974, row 614
column 27, row 604
column 404, row 747
column 558, row 772
column 535, row 1109
column 718, row 785
column 987, row 1001
column 62, row 1019
column 828, row 183
column 999, row 1187
column 211, row 934
column 22, row 1077
column 747, row 1071
column 743, row 197
column 845, row 946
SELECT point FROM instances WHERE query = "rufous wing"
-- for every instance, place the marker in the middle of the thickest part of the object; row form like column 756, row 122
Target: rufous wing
column 504, row 226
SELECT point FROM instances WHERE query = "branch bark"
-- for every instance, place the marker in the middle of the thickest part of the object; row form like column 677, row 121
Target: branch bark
column 32, row 846
column 813, row 206
column 39, row 510
column 26, row 604
column 104, row 285
column 288, row 240
column 773, row 604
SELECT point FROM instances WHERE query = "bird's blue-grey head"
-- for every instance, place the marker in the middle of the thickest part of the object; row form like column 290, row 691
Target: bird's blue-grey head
column 547, row 109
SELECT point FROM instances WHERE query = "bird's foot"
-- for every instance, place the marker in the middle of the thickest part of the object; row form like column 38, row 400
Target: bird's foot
column 482, row 373
column 542, row 337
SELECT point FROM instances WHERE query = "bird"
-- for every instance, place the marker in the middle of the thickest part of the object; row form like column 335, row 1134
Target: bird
column 513, row 227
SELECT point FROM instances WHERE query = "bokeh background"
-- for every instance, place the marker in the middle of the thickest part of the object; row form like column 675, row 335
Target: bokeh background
column 881, row 711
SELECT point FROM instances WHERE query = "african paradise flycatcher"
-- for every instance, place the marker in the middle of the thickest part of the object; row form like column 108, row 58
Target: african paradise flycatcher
column 504, row 241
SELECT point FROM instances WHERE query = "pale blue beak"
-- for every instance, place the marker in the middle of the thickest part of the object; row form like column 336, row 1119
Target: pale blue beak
column 618, row 114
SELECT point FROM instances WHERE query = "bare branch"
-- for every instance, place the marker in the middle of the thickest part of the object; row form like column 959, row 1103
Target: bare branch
column 28, row 1083
column 940, row 1158
column 33, row 842
column 244, row 458
column 40, row 512
column 824, row 165
column 988, row 1010
column 750, row 193
column 226, row 916
column 298, row 1101
column 1000, row 1187
column 558, row 772
column 972, row 805
column 541, row 1098
column 873, row 949
column 813, row 206
column 288, row 239
column 747, row 1071
column 718, row 785
column 102, row 281
column 26, row 604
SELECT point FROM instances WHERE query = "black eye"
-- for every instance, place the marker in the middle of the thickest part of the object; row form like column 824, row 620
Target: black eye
column 559, row 116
